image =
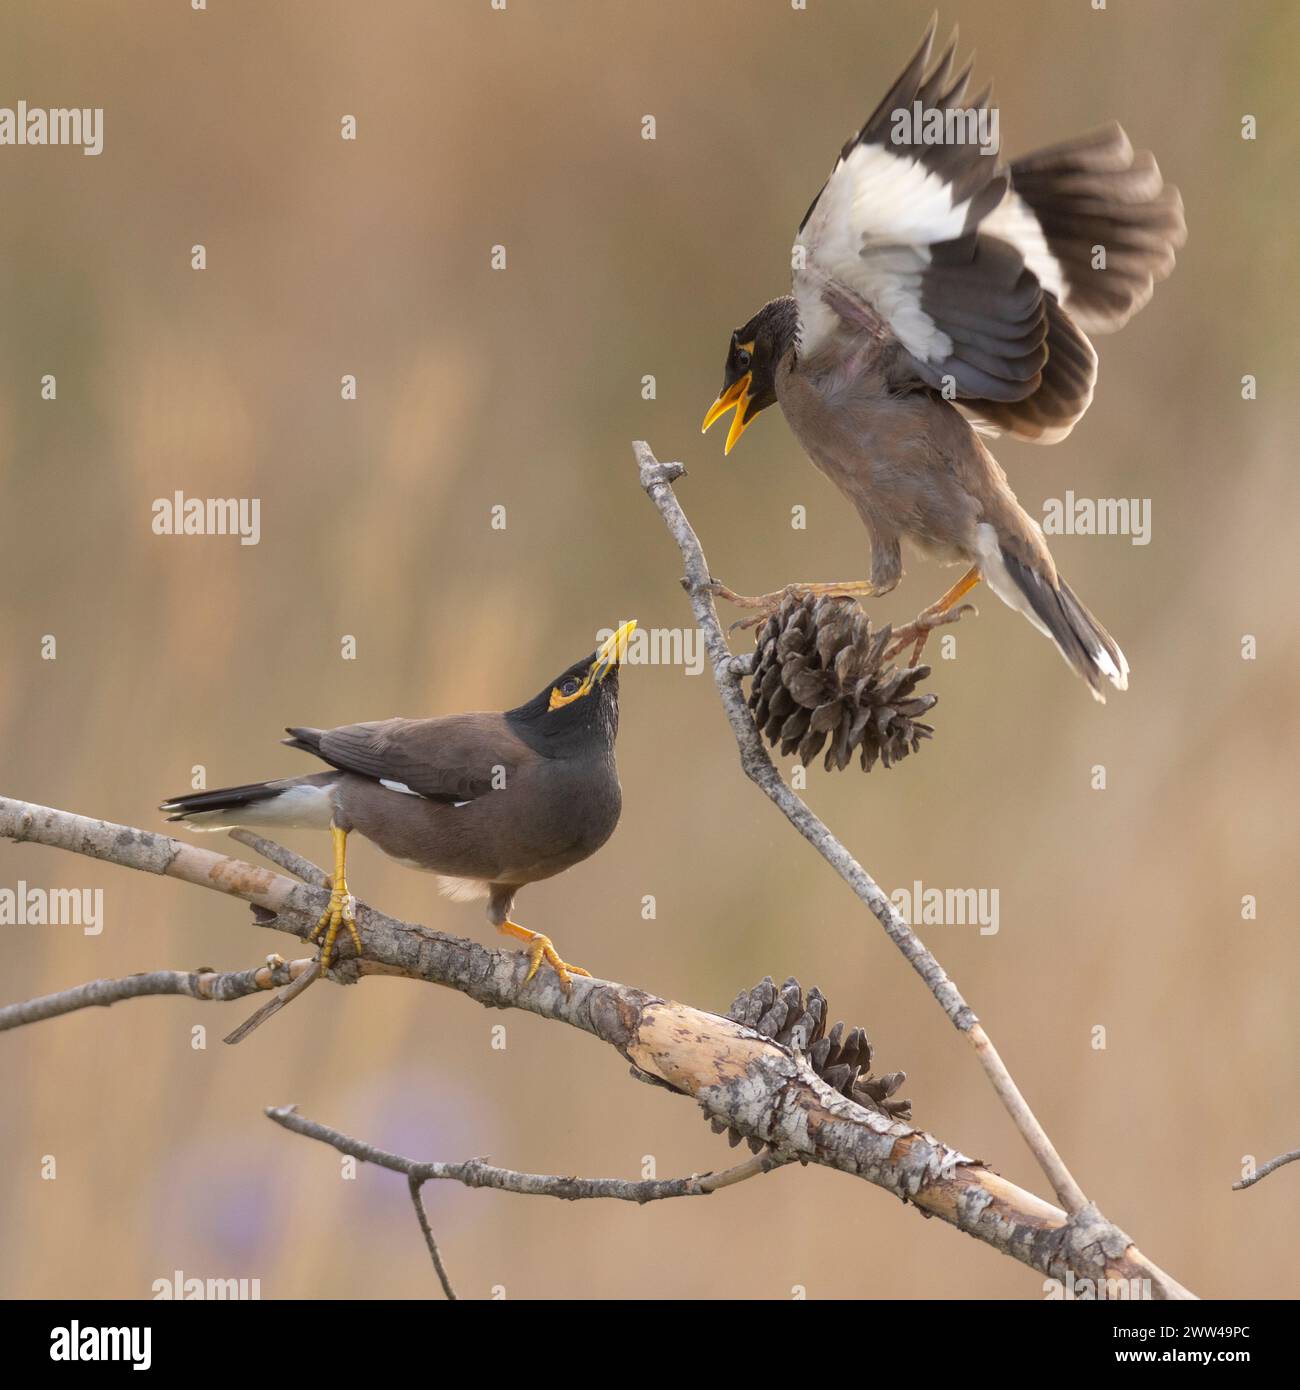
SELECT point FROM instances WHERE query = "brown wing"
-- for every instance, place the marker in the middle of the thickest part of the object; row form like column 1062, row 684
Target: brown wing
column 452, row 759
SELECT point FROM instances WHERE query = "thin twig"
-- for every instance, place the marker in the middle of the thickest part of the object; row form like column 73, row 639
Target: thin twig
column 477, row 1172
column 1266, row 1168
column 311, row 873
column 657, row 480
column 205, row 985
column 283, row 857
column 273, row 1006
column 414, row 1185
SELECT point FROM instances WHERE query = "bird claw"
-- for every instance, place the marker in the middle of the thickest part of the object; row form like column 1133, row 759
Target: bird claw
column 339, row 914
column 540, row 948
column 919, row 629
column 768, row 604
column 744, row 624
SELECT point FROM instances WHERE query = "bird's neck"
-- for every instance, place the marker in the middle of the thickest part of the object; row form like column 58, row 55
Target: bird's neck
column 588, row 726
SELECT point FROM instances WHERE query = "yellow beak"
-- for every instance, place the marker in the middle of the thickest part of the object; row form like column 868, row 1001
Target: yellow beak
column 735, row 396
column 612, row 652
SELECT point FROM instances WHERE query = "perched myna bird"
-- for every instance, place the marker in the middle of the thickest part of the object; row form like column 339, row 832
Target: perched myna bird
column 489, row 801
column 937, row 291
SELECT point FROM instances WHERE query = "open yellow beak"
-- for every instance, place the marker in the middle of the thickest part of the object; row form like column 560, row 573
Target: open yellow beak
column 735, row 396
column 612, row 652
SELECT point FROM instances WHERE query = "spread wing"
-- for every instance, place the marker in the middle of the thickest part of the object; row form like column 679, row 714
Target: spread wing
column 449, row 760
column 970, row 277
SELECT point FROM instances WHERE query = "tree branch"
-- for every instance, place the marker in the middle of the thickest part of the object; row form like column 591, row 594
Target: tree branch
column 414, row 1187
column 1265, row 1169
column 754, row 1085
column 477, row 1172
column 284, row 858
column 207, row 985
column 657, row 480
column 273, row 1006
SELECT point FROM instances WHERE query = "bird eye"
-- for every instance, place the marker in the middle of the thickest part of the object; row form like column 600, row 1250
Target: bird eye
column 742, row 359
column 570, row 687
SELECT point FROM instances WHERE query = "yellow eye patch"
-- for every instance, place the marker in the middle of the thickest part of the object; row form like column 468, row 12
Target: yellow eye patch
column 559, row 699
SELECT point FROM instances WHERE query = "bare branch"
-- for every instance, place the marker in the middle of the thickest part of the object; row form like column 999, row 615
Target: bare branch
column 1265, row 1169
column 657, row 480
column 282, row 857
column 206, row 985
column 414, row 1186
column 477, row 1172
column 273, row 1006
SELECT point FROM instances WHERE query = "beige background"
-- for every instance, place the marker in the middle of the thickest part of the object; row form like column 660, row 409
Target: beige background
column 1119, row 908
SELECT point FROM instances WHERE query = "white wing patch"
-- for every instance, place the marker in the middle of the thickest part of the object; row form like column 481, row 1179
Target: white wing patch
column 396, row 786
column 871, row 231
column 1013, row 221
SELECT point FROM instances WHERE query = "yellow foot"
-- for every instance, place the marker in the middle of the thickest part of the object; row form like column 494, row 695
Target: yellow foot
column 917, row 633
column 767, row 604
column 944, row 610
column 540, row 949
column 336, row 916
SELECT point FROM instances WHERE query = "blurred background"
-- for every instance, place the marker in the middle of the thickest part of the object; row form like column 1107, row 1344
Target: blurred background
column 522, row 388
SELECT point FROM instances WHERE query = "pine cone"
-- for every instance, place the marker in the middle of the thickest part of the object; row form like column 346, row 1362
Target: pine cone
column 842, row 1060
column 819, row 675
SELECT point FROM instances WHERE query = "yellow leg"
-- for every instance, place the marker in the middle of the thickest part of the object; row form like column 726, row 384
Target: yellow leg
column 930, row 618
column 339, row 913
column 539, row 950
column 959, row 590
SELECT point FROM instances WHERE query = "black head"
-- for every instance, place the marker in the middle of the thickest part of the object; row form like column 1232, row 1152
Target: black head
column 749, row 381
column 579, row 707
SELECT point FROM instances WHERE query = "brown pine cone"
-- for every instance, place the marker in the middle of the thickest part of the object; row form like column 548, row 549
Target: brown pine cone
column 819, row 677
column 842, row 1060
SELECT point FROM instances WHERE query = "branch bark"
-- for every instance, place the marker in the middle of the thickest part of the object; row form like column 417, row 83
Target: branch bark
column 751, row 1083
column 207, row 985
column 477, row 1172
column 1265, row 1169
column 415, row 1187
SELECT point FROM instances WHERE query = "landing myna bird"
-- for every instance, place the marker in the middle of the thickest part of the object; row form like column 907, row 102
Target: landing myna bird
column 938, row 291
column 489, row 801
